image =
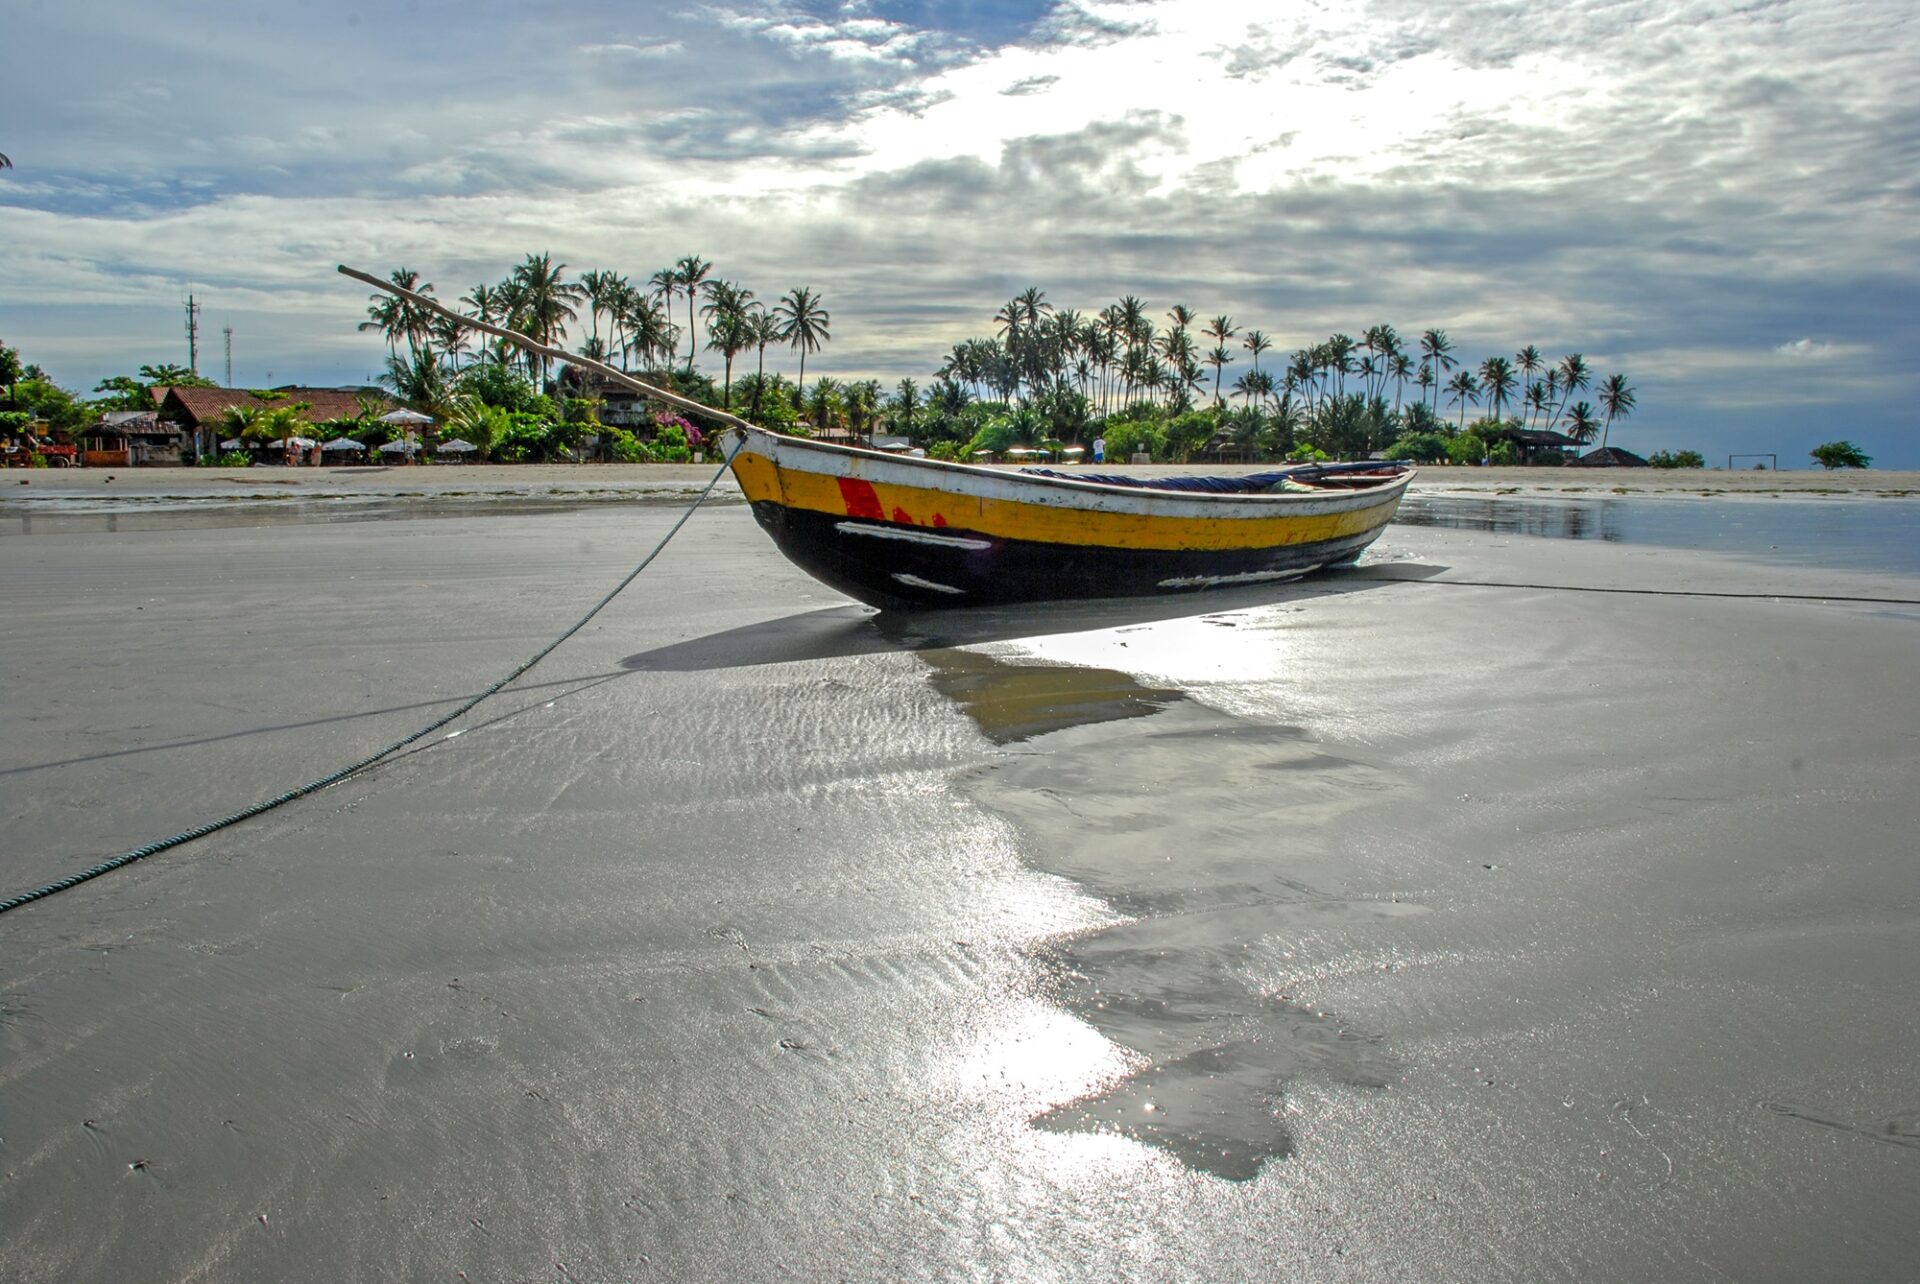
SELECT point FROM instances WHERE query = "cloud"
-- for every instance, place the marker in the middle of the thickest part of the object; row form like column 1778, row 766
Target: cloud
column 1030, row 85
column 1673, row 190
column 644, row 52
column 1806, row 348
column 1083, row 28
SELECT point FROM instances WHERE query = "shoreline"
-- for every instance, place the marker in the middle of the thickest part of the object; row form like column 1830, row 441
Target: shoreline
column 586, row 482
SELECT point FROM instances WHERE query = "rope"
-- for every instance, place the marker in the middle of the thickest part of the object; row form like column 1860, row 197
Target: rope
column 314, row 786
column 1641, row 592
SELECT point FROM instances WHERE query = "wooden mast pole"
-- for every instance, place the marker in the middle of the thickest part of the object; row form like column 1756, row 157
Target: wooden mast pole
column 557, row 354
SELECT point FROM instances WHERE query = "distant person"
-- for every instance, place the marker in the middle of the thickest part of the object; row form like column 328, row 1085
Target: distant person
column 1099, row 450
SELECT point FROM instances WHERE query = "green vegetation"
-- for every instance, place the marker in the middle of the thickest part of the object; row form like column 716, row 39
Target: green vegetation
column 1045, row 377
column 1840, row 454
column 1677, row 459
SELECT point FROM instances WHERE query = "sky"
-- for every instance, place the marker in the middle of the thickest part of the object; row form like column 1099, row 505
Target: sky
column 1719, row 199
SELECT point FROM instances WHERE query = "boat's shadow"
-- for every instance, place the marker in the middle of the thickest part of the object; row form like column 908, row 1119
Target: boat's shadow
column 841, row 631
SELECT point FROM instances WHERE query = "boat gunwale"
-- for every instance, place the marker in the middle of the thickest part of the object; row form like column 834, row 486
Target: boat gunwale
column 1263, row 503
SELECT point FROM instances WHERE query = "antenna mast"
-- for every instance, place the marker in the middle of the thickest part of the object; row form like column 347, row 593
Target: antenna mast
column 193, row 335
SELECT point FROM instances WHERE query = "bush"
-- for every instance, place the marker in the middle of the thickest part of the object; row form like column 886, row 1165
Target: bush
column 670, row 446
column 234, row 459
column 497, row 385
column 1127, row 437
column 1189, row 433
column 1677, row 459
column 1307, row 453
column 1421, row 447
column 629, row 449
column 1466, row 449
column 1840, row 454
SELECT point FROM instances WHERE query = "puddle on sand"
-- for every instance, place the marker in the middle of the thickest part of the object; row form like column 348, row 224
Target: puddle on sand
column 1202, row 828
column 1015, row 702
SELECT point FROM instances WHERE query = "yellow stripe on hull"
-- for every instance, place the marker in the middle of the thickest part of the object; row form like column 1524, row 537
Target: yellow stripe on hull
column 1056, row 523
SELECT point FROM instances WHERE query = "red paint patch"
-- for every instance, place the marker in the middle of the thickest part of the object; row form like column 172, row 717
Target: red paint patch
column 939, row 520
column 860, row 499
column 900, row 515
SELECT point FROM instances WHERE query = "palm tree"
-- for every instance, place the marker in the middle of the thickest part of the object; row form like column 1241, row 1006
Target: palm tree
column 648, row 329
column 1580, row 423
column 1434, row 350
column 689, row 272
column 1339, row 360
column 486, row 304
column 1616, row 402
column 544, row 303
column 1536, row 399
column 1220, row 330
column 4, row 162
column 1528, row 360
column 1466, row 391
column 1496, row 375
column 394, row 317
column 1254, row 386
column 452, row 337
column 168, row 374
column 1399, row 369
column 420, row 382
column 803, row 324
column 602, row 290
column 728, row 327
column 1383, row 341
column 1218, row 358
column 1256, row 342
column 906, row 400
column 1574, row 374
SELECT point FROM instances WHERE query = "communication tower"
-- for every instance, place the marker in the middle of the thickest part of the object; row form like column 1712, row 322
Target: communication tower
column 193, row 335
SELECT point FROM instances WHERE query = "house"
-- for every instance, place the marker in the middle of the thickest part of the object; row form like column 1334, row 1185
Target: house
column 1224, row 449
column 620, row 406
column 1610, row 457
column 1528, row 442
column 125, row 438
column 202, row 412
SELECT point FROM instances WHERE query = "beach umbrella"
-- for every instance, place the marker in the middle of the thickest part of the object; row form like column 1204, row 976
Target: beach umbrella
column 233, row 443
column 342, row 443
column 405, row 416
column 300, row 443
column 399, row 448
column 458, row 446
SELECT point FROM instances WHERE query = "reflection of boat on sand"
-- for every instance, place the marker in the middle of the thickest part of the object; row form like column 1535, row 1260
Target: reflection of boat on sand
column 902, row 532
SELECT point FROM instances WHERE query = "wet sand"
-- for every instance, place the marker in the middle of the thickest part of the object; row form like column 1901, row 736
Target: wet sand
column 1443, row 920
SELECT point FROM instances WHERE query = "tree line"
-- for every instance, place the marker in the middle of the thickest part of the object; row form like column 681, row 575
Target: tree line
column 1045, row 375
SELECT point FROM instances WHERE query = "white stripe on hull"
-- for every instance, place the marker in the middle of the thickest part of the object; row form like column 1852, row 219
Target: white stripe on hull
column 914, row 581
column 1245, row 577
column 913, row 536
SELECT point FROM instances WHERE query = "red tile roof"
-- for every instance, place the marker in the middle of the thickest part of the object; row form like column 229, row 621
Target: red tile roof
column 206, row 405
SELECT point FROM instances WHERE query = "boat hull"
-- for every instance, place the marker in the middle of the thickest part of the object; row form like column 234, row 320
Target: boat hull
column 912, row 534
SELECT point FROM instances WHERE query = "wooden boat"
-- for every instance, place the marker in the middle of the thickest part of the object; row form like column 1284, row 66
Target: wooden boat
column 903, row 532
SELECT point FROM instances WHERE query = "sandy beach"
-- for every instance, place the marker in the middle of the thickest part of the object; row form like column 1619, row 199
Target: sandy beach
column 598, row 481
column 1503, row 909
